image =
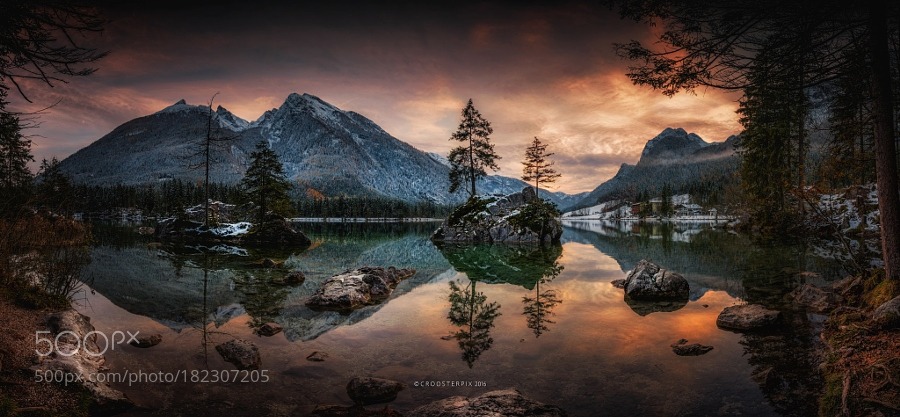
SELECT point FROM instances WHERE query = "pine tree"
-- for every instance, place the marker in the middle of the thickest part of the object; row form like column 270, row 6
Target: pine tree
column 15, row 153
column 468, row 162
column 537, row 167
column 55, row 188
column 265, row 183
column 666, row 206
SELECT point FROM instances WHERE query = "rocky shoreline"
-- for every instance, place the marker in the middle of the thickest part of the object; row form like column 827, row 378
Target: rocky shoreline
column 20, row 365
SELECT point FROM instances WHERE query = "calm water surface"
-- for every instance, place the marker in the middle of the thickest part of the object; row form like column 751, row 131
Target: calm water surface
column 545, row 321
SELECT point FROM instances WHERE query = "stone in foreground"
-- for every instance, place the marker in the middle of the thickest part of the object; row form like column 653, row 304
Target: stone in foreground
column 747, row 317
column 887, row 315
column 647, row 281
column 73, row 338
column 241, row 353
column 501, row 403
column 368, row 390
column 357, row 288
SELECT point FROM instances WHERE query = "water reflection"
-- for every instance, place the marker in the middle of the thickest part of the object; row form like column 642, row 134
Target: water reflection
column 261, row 298
column 522, row 265
column 539, row 309
column 187, row 286
column 598, row 354
column 709, row 259
column 645, row 307
column 470, row 311
column 528, row 266
column 782, row 358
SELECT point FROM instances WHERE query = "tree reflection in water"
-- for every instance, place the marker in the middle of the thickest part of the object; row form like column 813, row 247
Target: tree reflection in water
column 470, row 311
column 539, row 308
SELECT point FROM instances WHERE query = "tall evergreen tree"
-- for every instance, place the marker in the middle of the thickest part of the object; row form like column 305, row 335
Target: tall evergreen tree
column 717, row 44
column 15, row 153
column 265, row 183
column 665, row 208
column 55, row 189
column 468, row 162
column 537, row 167
column 772, row 113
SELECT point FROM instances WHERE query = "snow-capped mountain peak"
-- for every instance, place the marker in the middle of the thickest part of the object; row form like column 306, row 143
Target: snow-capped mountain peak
column 324, row 148
column 181, row 106
column 229, row 121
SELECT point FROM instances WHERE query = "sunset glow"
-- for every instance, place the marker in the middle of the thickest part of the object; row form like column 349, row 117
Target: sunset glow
column 531, row 71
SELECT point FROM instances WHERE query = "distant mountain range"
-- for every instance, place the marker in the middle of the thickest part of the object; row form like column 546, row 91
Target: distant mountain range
column 681, row 160
column 339, row 152
column 333, row 151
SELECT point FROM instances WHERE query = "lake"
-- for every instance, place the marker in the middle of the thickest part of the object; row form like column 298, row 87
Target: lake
column 545, row 321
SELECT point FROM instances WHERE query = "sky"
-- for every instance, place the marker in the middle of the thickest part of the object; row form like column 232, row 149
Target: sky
column 531, row 68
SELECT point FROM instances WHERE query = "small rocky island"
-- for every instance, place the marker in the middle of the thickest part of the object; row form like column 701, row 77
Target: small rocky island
column 519, row 217
column 650, row 288
column 274, row 230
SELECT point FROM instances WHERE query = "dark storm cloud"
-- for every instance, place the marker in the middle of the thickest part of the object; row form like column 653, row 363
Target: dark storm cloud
column 533, row 69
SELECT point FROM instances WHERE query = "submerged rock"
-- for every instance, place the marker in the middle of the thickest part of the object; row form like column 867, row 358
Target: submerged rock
column 508, row 402
column 368, row 390
column 317, row 356
column 747, row 317
column 516, row 218
column 146, row 341
column 647, row 281
column 269, row 329
column 241, row 353
column 618, row 283
column 681, row 348
column 294, row 277
column 357, row 288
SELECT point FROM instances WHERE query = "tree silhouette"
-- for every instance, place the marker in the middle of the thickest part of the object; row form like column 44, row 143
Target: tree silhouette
column 470, row 311
column 40, row 41
column 15, row 154
column 720, row 45
column 265, row 182
column 203, row 152
column 468, row 162
column 536, row 166
column 55, row 189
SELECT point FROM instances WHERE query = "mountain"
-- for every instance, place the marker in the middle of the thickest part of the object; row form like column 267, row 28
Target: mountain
column 322, row 147
column 670, row 146
column 675, row 157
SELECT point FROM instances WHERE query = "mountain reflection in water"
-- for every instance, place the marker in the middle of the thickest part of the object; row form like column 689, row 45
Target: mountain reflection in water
column 546, row 321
